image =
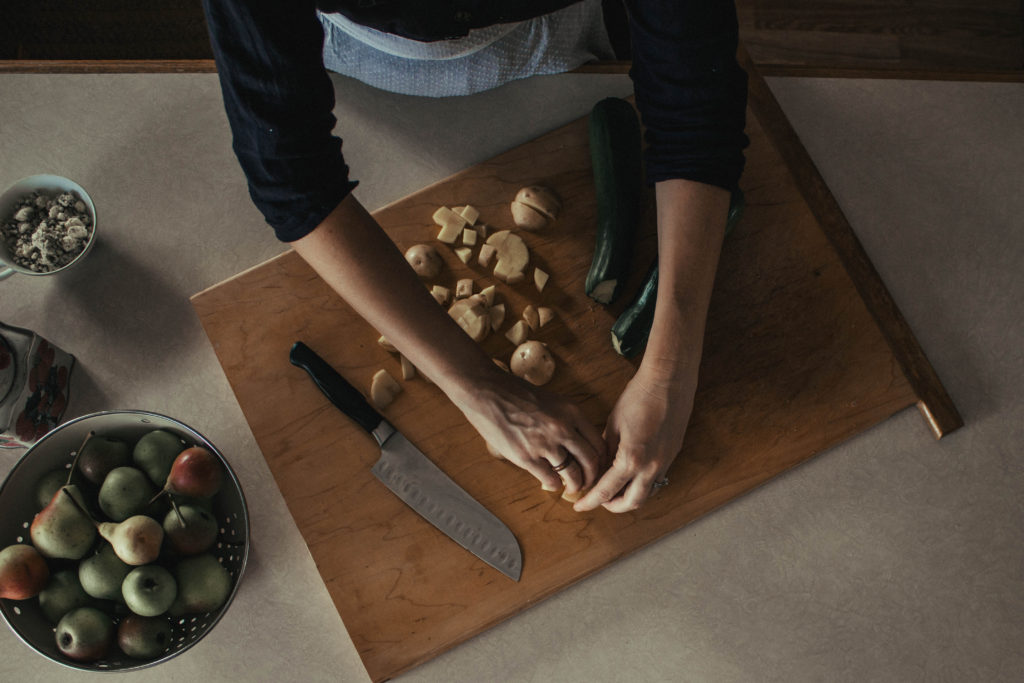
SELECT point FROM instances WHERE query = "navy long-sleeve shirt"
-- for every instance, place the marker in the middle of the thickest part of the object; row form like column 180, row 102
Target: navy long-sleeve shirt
column 689, row 89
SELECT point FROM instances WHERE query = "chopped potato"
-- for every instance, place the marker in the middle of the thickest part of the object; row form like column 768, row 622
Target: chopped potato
column 383, row 389
column 464, row 254
column 544, row 315
column 540, row 278
column 408, row 369
column 531, row 317
column 487, row 254
column 383, row 341
column 470, row 213
column 488, row 293
column 440, row 294
column 497, row 313
column 469, row 236
column 518, row 333
column 463, row 288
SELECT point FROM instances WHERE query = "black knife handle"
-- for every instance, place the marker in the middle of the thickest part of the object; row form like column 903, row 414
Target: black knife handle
column 335, row 387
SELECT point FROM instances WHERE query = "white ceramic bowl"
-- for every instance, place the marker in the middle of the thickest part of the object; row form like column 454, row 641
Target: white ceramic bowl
column 49, row 184
column 18, row 506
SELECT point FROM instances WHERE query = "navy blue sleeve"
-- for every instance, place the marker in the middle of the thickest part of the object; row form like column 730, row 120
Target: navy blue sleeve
column 691, row 92
column 279, row 102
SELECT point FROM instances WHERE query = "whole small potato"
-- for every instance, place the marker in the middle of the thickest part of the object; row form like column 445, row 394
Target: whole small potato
column 533, row 362
column 425, row 260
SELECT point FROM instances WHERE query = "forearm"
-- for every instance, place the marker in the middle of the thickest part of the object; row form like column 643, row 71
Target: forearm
column 691, row 226
column 358, row 260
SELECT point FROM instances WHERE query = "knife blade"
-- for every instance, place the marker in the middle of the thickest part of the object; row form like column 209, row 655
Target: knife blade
column 414, row 478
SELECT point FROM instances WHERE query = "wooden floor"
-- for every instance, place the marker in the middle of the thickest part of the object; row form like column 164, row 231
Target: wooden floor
column 946, row 38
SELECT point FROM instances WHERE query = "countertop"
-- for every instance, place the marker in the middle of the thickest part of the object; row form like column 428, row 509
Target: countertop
column 890, row 557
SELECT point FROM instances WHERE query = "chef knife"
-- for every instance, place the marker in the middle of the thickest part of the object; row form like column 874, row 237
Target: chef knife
column 411, row 476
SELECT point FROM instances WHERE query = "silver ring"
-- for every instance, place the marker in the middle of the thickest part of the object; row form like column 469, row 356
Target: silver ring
column 564, row 465
column 660, row 483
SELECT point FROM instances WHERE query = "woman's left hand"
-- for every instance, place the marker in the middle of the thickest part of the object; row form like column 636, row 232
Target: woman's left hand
column 645, row 432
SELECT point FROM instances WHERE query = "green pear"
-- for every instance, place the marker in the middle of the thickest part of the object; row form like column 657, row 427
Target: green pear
column 23, row 572
column 196, row 535
column 203, row 585
column 85, row 634
column 63, row 529
column 144, row 637
column 48, row 485
column 100, row 455
column 149, row 590
column 155, row 452
column 101, row 574
column 62, row 594
column 126, row 491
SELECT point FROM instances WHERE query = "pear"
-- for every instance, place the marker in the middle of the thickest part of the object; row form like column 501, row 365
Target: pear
column 48, row 485
column 101, row 574
column 23, row 572
column 190, row 530
column 62, row 594
column 143, row 637
column 136, row 540
column 149, row 590
column 126, row 491
column 195, row 472
column 63, row 529
column 101, row 454
column 203, row 585
column 84, row 634
column 155, row 452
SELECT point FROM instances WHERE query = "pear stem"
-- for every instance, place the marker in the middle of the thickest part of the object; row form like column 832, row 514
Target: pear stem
column 177, row 511
column 78, row 505
column 74, row 463
column 158, row 494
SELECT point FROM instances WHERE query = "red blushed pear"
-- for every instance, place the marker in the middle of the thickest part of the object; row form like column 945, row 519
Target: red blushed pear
column 23, row 572
column 196, row 473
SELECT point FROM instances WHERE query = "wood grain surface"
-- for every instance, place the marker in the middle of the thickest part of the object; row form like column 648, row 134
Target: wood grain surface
column 794, row 363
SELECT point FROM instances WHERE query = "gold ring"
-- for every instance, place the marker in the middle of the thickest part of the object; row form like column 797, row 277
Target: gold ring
column 565, row 464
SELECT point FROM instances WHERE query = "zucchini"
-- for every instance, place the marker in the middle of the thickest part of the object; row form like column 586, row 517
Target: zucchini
column 616, row 157
column 630, row 331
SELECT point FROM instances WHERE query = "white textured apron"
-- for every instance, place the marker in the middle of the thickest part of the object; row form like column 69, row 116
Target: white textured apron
column 486, row 58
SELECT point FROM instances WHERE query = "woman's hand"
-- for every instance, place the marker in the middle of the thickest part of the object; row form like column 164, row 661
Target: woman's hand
column 645, row 432
column 535, row 430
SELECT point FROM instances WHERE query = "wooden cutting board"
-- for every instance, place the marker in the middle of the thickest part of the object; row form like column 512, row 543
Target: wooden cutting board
column 804, row 348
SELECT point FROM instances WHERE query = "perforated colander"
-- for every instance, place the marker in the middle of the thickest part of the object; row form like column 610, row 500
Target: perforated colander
column 18, row 506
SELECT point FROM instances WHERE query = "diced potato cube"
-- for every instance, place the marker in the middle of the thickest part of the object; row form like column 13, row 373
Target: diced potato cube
column 383, row 389
column 518, row 333
column 463, row 288
column 497, row 313
column 440, row 294
column 531, row 317
column 469, row 236
column 544, row 315
column 489, row 293
column 443, row 216
column 487, row 253
column 408, row 369
column 449, row 232
column 464, row 254
column 470, row 214
column 540, row 278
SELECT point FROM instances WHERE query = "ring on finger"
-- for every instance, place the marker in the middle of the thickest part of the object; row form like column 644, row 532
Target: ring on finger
column 564, row 464
column 660, row 483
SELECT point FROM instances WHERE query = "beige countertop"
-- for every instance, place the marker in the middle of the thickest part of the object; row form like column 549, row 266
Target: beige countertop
column 891, row 557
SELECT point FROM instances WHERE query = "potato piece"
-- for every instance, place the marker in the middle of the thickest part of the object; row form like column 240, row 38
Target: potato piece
column 408, row 369
column 469, row 213
column 469, row 236
column 527, row 217
column 515, row 278
column 425, row 260
column 383, row 389
column 489, row 293
column 445, row 216
column 440, row 294
column 383, row 341
column 518, row 333
column 483, row 230
column 463, row 288
column 533, row 362
column 540, row 279
column 534, row 207
column 449, row 233
column 513, row 255
column 541, row 199
column 497, row 314
column 531, row 317
column 544, row 315
column 464, row 254
column 501, row 364
column 487, row 254
column 472, row 316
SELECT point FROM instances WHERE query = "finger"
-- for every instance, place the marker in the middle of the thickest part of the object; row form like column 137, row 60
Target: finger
column 633, row 496
column 541, row 470
column 606, row 488
column 592, row 468
column 568, row 469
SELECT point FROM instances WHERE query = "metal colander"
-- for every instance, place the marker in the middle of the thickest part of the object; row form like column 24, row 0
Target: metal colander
column 18, row 506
